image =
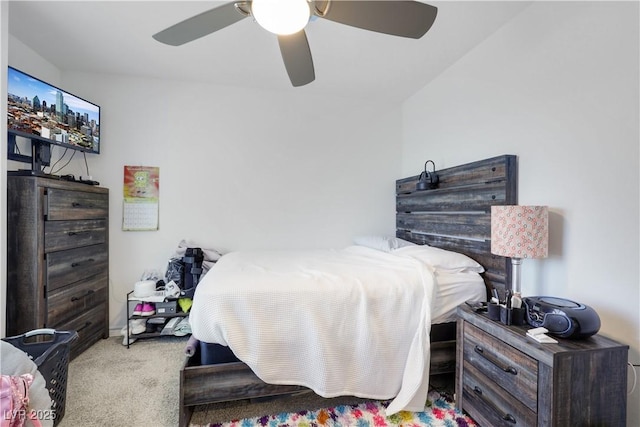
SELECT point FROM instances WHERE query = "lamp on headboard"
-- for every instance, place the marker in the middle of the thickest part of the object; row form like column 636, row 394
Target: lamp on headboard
column 519, row 232
column 428, row 180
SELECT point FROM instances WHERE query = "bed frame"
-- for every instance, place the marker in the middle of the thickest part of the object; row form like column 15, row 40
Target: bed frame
column 454, row 216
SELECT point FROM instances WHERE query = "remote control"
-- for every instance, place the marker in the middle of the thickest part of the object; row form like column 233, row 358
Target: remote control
column 537, row 331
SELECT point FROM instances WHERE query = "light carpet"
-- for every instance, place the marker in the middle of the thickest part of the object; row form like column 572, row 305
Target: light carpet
column 109, row 384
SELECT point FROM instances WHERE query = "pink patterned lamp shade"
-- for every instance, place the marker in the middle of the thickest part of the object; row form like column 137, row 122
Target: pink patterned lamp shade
column 520, row 231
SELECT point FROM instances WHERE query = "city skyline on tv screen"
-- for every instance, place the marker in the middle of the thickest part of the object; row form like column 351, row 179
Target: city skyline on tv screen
column 38, row 108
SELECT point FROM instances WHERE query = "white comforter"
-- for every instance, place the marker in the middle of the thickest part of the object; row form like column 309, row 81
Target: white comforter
column 340, row 322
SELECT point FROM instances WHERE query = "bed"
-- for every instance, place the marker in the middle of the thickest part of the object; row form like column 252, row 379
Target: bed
column 454, row 217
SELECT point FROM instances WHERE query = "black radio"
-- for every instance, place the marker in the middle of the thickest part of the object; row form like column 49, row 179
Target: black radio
column 561, row 317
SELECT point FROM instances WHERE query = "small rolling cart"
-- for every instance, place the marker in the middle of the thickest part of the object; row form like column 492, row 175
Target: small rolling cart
column 49, row 349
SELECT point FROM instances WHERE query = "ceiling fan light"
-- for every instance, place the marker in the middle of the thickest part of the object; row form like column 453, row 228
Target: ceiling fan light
column 281, row 17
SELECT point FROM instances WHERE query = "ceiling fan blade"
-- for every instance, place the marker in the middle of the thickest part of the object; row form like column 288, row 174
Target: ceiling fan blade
column 200, row 25
column 297, row 58
column 399, row 18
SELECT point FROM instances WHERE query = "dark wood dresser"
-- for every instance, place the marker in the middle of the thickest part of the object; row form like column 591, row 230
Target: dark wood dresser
column 504, row 378
column 58, row 258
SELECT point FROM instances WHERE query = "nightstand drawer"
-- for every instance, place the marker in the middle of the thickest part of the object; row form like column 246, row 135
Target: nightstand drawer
column 508, row 367
column 491, row 405
column 61, row 235
column 67, row 204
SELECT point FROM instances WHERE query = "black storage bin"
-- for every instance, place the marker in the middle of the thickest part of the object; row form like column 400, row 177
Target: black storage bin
column 49, row 349
column 212, row 354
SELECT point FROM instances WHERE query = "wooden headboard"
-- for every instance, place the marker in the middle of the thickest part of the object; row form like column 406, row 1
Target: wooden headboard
column 457, row 214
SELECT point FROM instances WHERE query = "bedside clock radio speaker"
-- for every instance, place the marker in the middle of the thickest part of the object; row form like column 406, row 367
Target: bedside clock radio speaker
column 561, row 317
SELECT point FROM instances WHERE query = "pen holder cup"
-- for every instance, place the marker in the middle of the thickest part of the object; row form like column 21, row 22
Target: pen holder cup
column 517, row 317
column 512, row 316
column 493, row 311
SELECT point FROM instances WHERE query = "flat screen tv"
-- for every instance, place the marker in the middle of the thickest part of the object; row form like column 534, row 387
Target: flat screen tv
column 48, row 115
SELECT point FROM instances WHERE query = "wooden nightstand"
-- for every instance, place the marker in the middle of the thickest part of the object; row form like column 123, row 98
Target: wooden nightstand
column 504, row 378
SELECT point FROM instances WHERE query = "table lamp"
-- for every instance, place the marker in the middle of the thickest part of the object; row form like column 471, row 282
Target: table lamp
column 519, row 232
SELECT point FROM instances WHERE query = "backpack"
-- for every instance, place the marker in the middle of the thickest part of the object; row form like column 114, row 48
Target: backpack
column 14, row 401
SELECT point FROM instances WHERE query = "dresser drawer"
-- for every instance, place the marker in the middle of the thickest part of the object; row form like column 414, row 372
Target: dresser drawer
column 61, row 235
column 71, row 301
column 490, row 405
column 508, row 367
column 66, row 205
column 91, row 326
column 66, row 267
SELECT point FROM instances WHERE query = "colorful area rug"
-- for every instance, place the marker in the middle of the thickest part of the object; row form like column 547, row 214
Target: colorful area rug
column 438, row 412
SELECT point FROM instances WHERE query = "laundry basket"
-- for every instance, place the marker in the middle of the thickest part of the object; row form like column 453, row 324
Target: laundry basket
column 49, row 349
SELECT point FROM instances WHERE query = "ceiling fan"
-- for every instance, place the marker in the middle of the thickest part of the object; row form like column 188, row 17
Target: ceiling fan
column 287, row 19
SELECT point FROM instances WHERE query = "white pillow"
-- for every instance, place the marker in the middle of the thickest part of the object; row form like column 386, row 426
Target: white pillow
column 382, row 243
column 441, row 259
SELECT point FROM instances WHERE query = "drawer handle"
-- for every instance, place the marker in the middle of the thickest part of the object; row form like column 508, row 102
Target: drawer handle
column 86, row 325
column 81, row 205
column 81, row 263
column 89, row 292
column 77, row 233
column 493, row 360
column 507, row 417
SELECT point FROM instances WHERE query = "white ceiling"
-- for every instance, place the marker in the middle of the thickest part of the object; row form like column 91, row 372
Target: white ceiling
column 114, row 37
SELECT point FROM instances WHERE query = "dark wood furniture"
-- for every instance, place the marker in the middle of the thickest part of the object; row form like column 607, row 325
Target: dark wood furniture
column 206, row 384
column 455, row 216
column 57, row 258
column 504, row 378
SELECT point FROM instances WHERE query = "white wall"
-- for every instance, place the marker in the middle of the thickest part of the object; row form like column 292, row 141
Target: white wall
column 239, row 168
column 557, row 86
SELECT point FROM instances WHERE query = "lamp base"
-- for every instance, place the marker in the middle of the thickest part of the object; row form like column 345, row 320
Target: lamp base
column 515, row 274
